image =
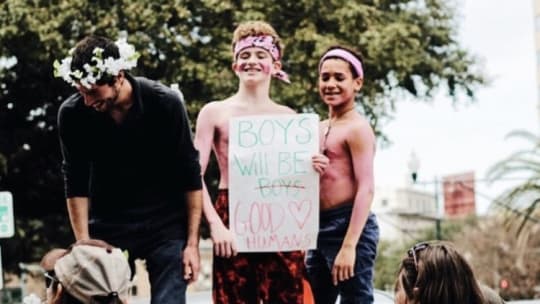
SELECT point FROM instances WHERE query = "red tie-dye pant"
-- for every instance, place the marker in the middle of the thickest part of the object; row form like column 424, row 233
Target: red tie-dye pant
column 249, row 278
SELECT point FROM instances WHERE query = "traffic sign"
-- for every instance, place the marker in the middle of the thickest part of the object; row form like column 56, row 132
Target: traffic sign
column 7, row 227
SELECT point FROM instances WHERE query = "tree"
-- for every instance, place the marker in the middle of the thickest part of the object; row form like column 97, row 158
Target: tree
column 499, row 255
column 526, row 195
column 389, row 256
column 3, row 166
column 410, row 47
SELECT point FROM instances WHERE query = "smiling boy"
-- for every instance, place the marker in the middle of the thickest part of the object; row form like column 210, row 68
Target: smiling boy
column 270, row 277
column 348, row 233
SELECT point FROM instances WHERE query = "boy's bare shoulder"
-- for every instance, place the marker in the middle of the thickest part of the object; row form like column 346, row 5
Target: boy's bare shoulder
column 362, row 122
column 215, row 106
column 360, row 128
column 281, row 109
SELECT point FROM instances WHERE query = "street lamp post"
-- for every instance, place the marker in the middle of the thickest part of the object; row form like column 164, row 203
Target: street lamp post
column 414, row 166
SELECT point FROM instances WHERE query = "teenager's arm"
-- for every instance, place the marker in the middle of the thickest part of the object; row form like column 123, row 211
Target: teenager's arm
column 223, row 239
column 194, row 203
column 361, row 144
column 191, row 257
column 78, row 216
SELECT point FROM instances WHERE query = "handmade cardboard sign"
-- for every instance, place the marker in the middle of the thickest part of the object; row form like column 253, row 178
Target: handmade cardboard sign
column 273, row 188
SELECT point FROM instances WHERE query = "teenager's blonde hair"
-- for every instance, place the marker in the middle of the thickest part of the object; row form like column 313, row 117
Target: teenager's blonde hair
column 256, row 28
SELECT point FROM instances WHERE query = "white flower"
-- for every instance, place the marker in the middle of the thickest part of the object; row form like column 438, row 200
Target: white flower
column 98, row 52
column 63, row 69
column 32, row 299
column 126, row 50
column 112, row 66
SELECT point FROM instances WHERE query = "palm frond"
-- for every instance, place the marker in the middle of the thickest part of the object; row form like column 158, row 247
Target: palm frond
column 523, row 199
column 528, row 213
column 523, row 134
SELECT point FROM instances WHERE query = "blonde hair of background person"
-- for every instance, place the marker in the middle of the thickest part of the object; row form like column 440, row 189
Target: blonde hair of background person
column 435, row 272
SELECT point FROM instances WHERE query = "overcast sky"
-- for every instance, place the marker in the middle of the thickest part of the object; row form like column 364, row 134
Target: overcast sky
column 450, row 139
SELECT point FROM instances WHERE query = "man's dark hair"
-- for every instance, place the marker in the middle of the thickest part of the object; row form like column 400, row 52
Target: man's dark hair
column 356, row 54
column 84, row 51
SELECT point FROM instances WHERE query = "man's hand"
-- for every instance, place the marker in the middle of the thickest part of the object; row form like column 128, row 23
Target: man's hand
column 223, row 239
column 344, row 264
column 192, row 263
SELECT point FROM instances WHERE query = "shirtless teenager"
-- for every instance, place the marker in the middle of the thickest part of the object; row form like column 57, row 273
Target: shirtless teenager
column 348, row 234
column 274, row 277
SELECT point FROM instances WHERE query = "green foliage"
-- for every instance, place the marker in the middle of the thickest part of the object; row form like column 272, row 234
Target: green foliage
column 449, row 229
column 33, row 238
column 387, row 264
column 3, row 166
column 409, row 46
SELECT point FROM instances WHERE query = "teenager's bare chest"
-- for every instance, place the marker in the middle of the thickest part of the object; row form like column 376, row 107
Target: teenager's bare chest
column 333, row 140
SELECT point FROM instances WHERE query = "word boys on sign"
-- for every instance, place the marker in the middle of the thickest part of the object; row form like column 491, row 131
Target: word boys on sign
column 273, row 188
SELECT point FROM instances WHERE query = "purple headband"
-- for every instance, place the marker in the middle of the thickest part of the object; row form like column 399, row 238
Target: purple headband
column 265, row 42
column 347, row 56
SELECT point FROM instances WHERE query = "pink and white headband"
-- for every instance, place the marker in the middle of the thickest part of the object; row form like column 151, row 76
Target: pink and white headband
column 265, row 42
column 347, row 56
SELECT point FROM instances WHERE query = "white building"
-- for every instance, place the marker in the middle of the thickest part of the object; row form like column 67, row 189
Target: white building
column 404, row 213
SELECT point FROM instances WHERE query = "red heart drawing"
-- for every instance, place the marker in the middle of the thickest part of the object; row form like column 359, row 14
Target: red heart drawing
column 300, row 212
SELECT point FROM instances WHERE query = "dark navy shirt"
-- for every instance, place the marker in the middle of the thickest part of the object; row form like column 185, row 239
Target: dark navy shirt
column 137, row 171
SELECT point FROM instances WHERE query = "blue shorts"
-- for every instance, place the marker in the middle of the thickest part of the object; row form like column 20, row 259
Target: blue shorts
column 319, row 262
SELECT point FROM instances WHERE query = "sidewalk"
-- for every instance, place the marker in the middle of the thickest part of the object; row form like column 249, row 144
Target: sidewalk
column 194, row 297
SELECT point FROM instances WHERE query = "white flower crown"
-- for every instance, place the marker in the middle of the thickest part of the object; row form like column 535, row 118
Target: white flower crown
column 112, row 66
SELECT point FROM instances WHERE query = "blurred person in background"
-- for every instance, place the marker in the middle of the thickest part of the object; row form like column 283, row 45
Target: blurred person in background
column 435, row 272
column 90, row 271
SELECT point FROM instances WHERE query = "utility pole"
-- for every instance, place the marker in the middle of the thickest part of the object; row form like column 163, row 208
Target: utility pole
column 437, row 216
column 414, row 165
